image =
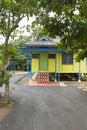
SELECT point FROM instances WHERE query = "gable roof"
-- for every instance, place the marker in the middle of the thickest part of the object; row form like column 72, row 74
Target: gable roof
column 41, row 42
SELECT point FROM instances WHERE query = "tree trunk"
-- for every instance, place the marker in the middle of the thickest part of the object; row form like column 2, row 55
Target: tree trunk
column 6, row 65
column 6, row 78
column 7, row 90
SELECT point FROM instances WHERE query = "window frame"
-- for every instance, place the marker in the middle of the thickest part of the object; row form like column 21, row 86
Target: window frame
column 51, row 56
column 35, row 56
column 67, row 58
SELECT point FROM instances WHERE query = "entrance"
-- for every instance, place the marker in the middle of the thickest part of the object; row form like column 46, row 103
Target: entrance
column 43, row 61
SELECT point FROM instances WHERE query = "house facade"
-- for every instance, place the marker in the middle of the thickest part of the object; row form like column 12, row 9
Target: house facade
column 46, row 58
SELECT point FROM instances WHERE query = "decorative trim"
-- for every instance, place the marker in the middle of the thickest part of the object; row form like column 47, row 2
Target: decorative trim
column 41, row 50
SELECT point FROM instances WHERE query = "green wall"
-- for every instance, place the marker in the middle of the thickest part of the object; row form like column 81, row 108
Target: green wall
column 43, row 62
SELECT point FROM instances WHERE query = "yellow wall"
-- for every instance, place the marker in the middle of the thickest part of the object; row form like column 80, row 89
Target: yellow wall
column 35, row 63
column 63, row 68
column 51, row 65
column 72, row 68
column 66, row 68
column 58, row 62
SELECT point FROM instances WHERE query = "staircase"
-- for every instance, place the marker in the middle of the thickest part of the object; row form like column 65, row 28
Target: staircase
column 43, row 77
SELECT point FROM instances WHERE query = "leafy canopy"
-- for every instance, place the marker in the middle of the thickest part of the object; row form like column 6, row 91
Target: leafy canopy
column 69, row 22
column 11, row 13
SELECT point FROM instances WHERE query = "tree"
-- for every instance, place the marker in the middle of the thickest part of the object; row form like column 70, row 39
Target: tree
column 69, row 22
column 16, row 44
column 11, row 13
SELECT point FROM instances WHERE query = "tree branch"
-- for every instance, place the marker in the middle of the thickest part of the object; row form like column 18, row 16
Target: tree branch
column 2, row 3
column 16, row 24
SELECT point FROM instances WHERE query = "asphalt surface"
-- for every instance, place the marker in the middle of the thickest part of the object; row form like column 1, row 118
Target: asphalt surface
column 46, row 108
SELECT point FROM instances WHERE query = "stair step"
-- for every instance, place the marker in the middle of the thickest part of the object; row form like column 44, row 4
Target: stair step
column 43, row 77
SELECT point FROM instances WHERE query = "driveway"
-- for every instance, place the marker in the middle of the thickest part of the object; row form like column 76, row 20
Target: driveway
column 46, row 108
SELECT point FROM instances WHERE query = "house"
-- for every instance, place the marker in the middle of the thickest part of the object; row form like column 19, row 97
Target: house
column 47, row 60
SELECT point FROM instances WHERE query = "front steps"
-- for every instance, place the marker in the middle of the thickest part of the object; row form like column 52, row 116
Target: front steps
column 41, row 77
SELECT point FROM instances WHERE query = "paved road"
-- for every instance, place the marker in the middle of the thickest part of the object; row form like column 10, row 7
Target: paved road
column 46, row 108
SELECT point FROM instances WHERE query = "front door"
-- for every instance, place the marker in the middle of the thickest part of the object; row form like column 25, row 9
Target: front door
column 43, row 61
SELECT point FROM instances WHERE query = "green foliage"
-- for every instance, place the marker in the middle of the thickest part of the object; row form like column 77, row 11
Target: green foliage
column 69, row 22
column 81, row 54
column 11, row 13
column 2, row 79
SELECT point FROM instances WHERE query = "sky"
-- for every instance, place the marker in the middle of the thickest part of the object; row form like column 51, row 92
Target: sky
column 25, row 22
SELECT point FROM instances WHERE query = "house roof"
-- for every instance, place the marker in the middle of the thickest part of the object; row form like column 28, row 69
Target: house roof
column 44, row 41
column 43, row 44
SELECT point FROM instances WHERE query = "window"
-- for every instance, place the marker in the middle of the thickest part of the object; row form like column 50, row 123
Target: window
column 52, row 56
column 35, row 56
column 67, row 58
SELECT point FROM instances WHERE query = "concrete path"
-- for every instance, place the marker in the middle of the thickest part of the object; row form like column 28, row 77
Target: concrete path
column 46, row 108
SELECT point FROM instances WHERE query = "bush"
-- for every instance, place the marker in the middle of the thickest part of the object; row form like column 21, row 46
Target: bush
column 1, row 81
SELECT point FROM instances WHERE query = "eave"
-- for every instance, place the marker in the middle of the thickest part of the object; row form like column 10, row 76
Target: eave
column 41, row 50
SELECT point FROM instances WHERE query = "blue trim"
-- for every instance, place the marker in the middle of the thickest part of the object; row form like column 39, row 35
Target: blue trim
column 27, row 70
column 44, row 38
column 55, row 66
column 79, row 74
column 41, row 50
column 39, row 45
column 59, row 69
column 31, row 65
column 27, row 65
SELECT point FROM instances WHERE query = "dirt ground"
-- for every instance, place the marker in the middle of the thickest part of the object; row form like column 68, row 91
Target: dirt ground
column 5, row 109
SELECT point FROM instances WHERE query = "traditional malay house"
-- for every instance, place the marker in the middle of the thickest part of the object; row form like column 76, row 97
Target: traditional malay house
column 47, row 61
